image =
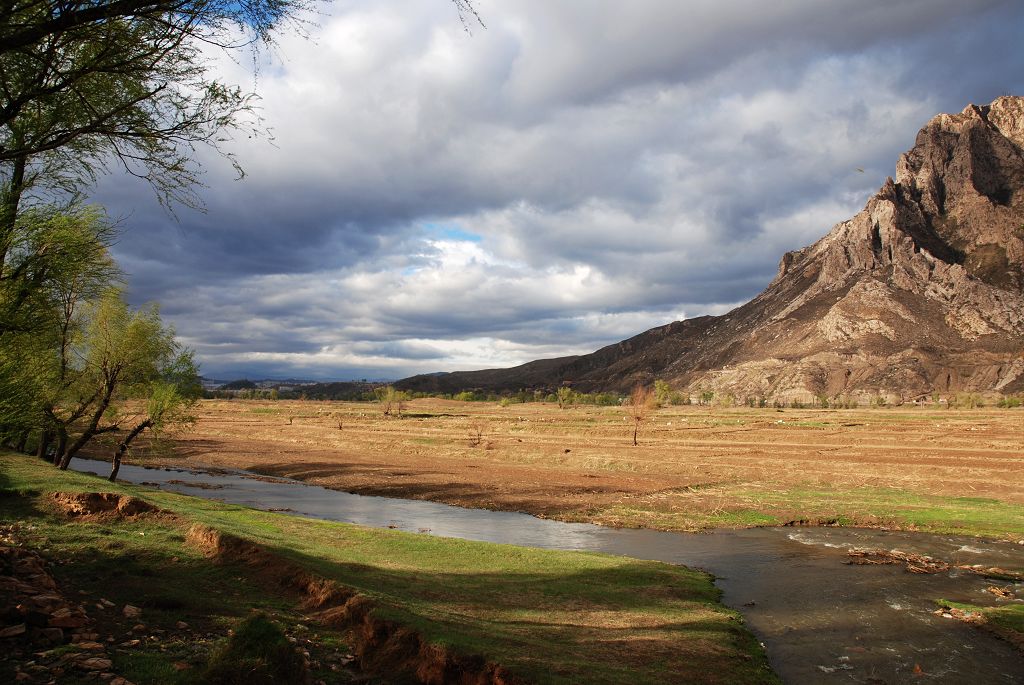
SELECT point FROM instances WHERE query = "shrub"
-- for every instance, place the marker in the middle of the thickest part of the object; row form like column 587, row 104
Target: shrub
column 564, row 397
column 257, row 654
column 662, row 392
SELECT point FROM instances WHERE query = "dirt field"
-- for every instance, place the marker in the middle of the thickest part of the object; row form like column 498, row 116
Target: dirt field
column 695, row 467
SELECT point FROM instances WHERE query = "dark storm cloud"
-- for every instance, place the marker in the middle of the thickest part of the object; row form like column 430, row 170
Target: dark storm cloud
column 596, row 169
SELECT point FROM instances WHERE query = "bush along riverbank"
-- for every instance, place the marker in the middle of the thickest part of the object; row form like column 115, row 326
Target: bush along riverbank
column 142, row 586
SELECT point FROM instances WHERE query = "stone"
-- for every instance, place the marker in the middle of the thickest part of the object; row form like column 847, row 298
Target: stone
column 68, row 622
column 94, row 663
column 92, row 646
column 52, row 635
column 13, row 631
column 130, row 611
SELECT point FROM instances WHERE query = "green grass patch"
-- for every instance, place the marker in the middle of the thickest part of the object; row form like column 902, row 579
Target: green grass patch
column 738, row 506
column 550, row 617
column 1009, row 617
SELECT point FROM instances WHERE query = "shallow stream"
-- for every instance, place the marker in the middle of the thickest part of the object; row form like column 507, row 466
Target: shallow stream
column 821, row 619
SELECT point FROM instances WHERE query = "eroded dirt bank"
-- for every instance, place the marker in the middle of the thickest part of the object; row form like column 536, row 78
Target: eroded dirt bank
column 381, row 646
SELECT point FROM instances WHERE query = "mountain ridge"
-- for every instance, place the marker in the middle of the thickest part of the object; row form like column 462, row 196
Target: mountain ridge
column 920, row 292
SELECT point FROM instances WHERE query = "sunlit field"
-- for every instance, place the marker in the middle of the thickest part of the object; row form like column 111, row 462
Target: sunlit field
column 695, row 467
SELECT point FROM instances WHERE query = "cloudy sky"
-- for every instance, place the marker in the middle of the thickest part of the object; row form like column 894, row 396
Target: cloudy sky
column 573, row 174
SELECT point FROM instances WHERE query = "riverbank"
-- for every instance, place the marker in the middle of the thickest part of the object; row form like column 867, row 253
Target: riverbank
column 919, row 468
column 526, row 614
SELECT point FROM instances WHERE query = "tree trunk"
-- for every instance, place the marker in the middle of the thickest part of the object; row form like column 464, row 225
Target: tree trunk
column 93, row 427
column 11, row 200
column 44, row 443
column 62, row 443
column 19, row 445
column 636, row 429
column 115, row 464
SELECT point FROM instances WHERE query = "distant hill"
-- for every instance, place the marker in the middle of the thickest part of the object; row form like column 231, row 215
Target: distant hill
column 243, row 384
column 341, row 390
column 920, row 292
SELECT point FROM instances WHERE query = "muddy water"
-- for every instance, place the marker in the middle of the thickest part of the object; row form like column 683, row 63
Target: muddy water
column 821, row 620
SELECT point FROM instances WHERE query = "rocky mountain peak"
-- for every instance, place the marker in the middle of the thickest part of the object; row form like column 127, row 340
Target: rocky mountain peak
column 920, row 292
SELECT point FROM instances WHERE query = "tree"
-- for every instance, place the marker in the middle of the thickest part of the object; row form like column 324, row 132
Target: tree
column 390, row 399
column 123, row 355
column 82, row 83
column 59, row 264
column 87, row 83
column 565, row 397
column 662, row 392
column 128, row 78
column 638, row 405
column 134, row 88
column 168, row 405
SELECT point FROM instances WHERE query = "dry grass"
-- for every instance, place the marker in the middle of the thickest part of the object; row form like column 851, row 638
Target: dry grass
column 694, row 467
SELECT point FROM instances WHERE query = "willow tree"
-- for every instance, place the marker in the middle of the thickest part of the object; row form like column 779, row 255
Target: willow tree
column 126, row 373
column 60, row 264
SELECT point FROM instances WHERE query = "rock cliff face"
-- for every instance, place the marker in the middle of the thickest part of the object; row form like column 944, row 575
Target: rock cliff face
column 921, row 292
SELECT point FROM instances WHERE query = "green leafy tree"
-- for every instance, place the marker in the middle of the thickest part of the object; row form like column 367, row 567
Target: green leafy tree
column 61, row 263
column 390, row 399
column 168, row 404
column 123, row 355
column 662, row 392
column 565, row 397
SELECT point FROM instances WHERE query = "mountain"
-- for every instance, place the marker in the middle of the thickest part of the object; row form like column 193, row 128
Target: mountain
column 920, row 292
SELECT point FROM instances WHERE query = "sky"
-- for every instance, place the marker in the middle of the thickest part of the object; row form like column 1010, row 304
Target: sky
column 431, row 199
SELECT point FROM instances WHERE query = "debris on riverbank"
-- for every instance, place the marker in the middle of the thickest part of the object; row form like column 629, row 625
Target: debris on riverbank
column 919, row 563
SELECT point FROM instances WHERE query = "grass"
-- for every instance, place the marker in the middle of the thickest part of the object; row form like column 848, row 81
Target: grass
column 550, row 617
column 742, row 506
column 1008, row 619
column 944, row 471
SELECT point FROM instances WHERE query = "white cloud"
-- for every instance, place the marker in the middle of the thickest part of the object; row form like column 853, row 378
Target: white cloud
column 614, row 165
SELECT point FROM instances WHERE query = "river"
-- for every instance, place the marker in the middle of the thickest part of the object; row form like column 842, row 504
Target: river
column 821, row 619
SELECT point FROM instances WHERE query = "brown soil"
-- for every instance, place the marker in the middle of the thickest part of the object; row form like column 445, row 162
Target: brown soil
column 380, row 646
column 102, row 505
column 551, row 462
